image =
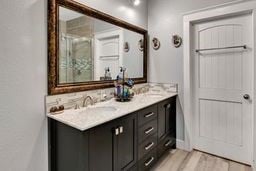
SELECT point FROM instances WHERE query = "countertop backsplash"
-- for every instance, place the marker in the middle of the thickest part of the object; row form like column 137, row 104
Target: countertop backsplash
column 72, row 99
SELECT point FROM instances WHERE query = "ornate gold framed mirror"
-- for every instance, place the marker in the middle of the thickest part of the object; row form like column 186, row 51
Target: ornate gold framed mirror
column 87, row 47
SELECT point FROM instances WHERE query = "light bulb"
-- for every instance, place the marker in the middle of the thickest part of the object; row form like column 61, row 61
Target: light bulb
column 136, row 2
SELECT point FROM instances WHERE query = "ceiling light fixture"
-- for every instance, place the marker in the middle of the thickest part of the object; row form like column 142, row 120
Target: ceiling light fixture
column 136, row 2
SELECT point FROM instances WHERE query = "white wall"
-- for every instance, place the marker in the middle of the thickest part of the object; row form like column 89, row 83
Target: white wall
column 166, row 64
column 121, row 9
column 133, row 60
column 23, row 85
column 23, row 78
column 23, row 68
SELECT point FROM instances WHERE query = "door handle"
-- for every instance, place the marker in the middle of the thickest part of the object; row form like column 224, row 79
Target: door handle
column 246, row 96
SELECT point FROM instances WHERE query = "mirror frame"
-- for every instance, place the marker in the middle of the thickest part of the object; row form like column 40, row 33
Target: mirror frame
column 53, row 47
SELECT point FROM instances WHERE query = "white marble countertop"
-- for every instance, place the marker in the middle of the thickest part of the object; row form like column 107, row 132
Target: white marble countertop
column 86, row 118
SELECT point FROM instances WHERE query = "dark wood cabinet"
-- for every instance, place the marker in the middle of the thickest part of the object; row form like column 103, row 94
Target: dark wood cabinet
column 147, row 145
column 101, row 152
column 147, row 137
column 147, row 130
column 147, row 114
column 68, row 148
column 126, row 143
column 131, row 143
column 148, row 161
column 167, row 118
column 166, row 125
column 161, row 119
column 171, row 117
column 112, row 146
column 165, row 144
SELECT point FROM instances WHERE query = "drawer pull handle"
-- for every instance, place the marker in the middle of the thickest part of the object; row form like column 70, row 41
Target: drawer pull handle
column 147, row 163
column 168, row 143
column 149, row 130
column 149, row 146
column 149, row 115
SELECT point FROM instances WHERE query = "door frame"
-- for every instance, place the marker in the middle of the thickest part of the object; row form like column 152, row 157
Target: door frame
column 106, row 34
column 217, row 12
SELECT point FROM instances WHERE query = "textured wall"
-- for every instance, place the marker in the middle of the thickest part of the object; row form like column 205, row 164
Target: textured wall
column 23, row 78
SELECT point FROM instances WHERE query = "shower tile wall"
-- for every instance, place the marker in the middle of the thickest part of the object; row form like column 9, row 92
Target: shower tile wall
column 62, row 50
column 76, row 50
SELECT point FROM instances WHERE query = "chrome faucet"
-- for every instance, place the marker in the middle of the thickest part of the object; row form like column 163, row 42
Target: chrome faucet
column 85, row 101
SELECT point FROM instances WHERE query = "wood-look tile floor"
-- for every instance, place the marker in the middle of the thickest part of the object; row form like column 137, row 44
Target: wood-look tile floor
column 179, row 160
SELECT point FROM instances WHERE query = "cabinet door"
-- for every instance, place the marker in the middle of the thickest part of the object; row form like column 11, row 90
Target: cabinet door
column 170, row 109
column 166, row 117
column 69, row 148
column 126, row 143
column 101, row 150
column 161, row 119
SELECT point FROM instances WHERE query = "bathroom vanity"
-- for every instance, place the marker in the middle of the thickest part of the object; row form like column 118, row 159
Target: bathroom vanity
column 131, row 137
column 86, row 50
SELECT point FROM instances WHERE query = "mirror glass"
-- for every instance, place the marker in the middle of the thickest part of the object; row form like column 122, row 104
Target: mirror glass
column 94, row 50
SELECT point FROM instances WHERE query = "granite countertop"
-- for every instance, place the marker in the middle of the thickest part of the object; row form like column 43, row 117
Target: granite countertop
column 86, row 118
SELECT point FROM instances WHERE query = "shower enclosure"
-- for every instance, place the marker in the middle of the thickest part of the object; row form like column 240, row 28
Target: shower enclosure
column 75, row 60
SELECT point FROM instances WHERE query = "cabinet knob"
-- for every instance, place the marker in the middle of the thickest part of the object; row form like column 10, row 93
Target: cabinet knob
column 121, row 129
column 117, row 131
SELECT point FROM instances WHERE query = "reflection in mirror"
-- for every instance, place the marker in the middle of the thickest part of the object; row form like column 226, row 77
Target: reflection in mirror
column 94, row 50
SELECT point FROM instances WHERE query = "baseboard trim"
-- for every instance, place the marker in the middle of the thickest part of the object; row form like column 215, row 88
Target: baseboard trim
column 180, row 144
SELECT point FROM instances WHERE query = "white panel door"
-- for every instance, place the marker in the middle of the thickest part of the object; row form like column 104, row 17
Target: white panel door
column 223, row 116
column 109, row 56
column 108, row 53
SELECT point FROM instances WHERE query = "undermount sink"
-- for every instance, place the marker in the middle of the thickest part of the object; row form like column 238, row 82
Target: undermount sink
column 100, row 109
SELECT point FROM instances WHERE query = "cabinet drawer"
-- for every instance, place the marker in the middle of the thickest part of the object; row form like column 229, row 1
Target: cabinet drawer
column 134, row 168
column 147, row 130
column 147, row 145
column 165, row 145
column 148, row 161
column 147, row 114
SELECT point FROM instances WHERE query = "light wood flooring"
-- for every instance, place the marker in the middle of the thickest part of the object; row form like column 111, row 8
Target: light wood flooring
column 179, row 160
